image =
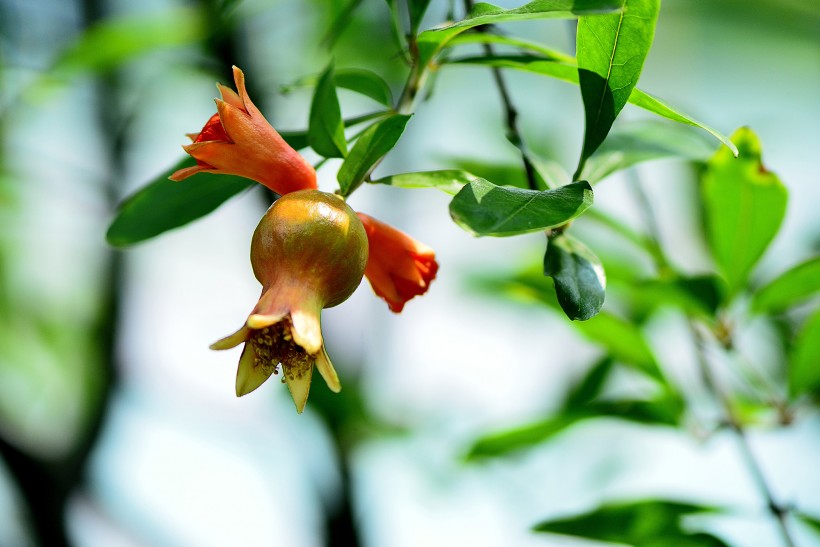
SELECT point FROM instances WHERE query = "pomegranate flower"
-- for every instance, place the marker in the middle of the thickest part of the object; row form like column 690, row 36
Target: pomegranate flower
column 309, row 252
column 238, row 140
column 399, row 267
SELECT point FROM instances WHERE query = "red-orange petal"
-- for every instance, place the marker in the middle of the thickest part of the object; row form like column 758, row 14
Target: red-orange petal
column 399, row 268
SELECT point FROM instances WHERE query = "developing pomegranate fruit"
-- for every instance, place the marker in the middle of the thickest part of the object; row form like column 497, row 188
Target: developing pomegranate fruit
column 309, row 252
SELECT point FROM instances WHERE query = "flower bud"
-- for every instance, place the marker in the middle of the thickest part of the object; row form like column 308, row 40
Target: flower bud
column 309, row 252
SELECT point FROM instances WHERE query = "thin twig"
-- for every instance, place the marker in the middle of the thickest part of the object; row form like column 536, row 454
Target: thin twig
column 778, row 511
column 510, row 112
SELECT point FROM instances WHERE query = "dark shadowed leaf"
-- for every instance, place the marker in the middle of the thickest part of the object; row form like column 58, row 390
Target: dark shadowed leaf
column 164, row 204
column 580, row 282
column 430, row 42
column 789, row 288
column 648, row 523
column 449, row 181
column 568, row 72
column 483, row 208
column 611, row 50
column 376, row 141
column 804, row 368
column 638, row 142
column 744, row 206
column 326, row 131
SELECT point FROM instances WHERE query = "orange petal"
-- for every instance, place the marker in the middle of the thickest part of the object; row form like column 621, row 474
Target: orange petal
column 399, row 268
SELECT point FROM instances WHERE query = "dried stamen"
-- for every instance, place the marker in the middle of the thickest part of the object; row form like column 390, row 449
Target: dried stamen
column 274, row 345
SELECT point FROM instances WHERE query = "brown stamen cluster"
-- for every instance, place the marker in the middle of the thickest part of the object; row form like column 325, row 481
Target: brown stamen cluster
column 274, row 345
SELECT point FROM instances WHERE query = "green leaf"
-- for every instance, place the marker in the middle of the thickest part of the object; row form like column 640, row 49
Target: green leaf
column 648, row 523
column 580, row 282
column 665, row 411
column 326, row 133
column 365, row 82
column 590, row 386
column 417, row 9
column 623, row 340
column 568, row 72
column 340, row 23
column 164, row 204
column 546, row 53
column 376, row 141
column 449, row 181
column 113, row 42
column 804, row 368
column 610, row 54
column 789, row 288
column 744, row 205
column 638, row 142
column 813, row 523
column 483, row 208
column 431, row 42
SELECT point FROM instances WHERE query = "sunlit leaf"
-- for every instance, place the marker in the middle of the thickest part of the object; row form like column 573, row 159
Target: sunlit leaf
column 804, row 368
column 164, row 204
column 366, row 82
column 430, row 42
column 483, row 208
column 568, row 72
column 790, row 288
column 376, row 141
column 648, row 523
column 744, row 205
column 546, row 53
column 580, row 282
column 326, row 133
column 449, row 181
column 113, row 42
column 638, row 142
column 610, row 53
column 623, row 340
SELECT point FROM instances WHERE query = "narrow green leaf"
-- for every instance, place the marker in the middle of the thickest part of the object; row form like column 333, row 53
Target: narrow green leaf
column 326, row 133
column 113, row 42
column 485, row 209
column 644, row 523
column 164, row 204
column 638, row 142
column 623, row 340
column 611, row 51
column 665, row 411
column 417, row 9
column 590, row 386
column 376, row 141
column 546, row 53
column 580, row 282
column 449, row 181
column 789, row 288
column 814, row 523
column 340, row 23
column 568, row 72
column 512, row 173
column 431, row 42
column 804, row 368
column 365, row 82
column 744, row 206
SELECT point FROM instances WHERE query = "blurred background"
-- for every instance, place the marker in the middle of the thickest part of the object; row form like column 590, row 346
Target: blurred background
column 118, row 427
